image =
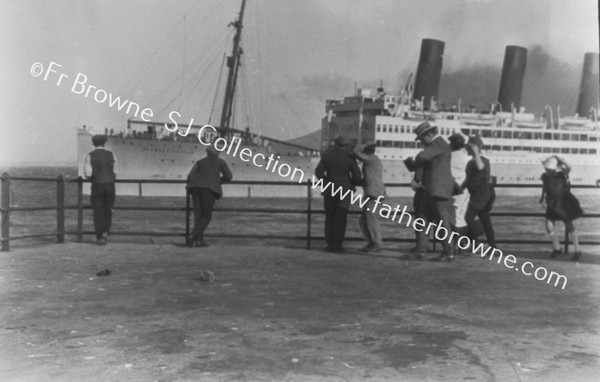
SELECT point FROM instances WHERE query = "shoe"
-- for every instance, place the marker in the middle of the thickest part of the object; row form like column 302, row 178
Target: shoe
column 338, row 250
column 412, row 256
column 418, row 256
column 368, row 247
column 372, row 248
column 417, row 251
column 555, row 252
column 377, row 248
column 464, row 253
column 201, row 244
column 101, row 241
column 576, row 256
column 191, row 242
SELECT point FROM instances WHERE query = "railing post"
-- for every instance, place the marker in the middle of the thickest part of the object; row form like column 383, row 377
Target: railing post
column 308, row 214
column 566, row 241
column 60, row 209
column 187, row 217
column 140, row 189
column 5, row 212
column 79, row 209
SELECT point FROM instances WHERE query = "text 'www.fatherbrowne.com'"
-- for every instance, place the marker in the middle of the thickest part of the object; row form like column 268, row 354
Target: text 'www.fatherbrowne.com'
column 401, row 216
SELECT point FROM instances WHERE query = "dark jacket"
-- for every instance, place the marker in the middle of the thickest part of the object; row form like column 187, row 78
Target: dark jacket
column 103, row 163
column 435, row 161
column 339, row 167
column 561, row 204
column 209, row 173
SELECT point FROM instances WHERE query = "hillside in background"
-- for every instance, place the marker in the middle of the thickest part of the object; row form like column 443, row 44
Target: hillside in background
column 312, row 140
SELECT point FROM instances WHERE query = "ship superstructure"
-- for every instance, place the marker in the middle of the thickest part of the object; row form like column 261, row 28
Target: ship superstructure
column 515, row 141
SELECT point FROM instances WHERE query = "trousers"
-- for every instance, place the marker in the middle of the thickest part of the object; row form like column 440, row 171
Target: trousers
column 484, row 217
column 438, row 209
column 369, row 224
column 336, row 218
column 422, row 208
column 203, row 200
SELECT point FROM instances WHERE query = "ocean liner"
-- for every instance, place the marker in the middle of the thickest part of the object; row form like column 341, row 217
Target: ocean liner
column 515, row 141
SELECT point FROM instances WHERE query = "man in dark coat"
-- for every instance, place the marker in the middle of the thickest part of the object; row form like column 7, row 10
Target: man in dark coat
column 99, row 167
column 481, row 191
column 204, row 185
column 338, row 167
column 437, row 180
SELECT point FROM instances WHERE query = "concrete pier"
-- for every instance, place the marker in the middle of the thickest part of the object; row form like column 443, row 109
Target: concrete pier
column 277, row 313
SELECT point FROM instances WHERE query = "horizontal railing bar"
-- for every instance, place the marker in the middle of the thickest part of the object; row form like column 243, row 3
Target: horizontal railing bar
column 535, row 214
column 261, row 210
column 268, row 210
column 280, row 183
column 130, row 233
column 412, row 240
column 146, row 233
column 41, row 208
column 33, row 179
column 142, row 208
column 30, row 236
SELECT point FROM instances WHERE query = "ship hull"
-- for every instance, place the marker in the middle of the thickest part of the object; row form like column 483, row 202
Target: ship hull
column 168, row 160
column 172, row 160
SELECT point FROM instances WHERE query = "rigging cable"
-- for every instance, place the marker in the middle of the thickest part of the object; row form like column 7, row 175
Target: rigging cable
column 280, row 91
column 183, row 64
column 199, row 75
column 217, row 93
column 244, row 98
column 150, row 63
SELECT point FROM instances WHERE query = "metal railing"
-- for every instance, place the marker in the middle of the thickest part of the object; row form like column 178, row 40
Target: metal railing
column 61, row 207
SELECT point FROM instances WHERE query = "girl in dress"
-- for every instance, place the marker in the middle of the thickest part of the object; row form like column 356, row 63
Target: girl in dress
column 560, row 203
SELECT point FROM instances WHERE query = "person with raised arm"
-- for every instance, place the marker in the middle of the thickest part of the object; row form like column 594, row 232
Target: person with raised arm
column 482, row 195
column 561, row 204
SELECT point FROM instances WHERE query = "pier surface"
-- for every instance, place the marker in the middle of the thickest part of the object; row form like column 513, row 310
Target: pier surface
column 276, row 313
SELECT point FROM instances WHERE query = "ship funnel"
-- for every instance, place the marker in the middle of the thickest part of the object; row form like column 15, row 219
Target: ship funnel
column 429, row 71
column 590, row 82
column 513, row 72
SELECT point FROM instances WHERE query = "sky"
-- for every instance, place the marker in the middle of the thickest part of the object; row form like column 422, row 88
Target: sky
column 166, row 56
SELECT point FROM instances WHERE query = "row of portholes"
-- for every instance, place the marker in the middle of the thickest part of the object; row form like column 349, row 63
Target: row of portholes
column 408, row 129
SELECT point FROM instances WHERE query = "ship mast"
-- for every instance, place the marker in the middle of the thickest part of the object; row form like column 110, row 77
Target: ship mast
column 233, row 63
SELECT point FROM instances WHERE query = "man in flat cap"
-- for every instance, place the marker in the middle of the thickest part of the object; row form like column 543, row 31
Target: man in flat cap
column 100, row 169
column 437, row 180
column 338, row 167
column 373, row 188
column 204, row 185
